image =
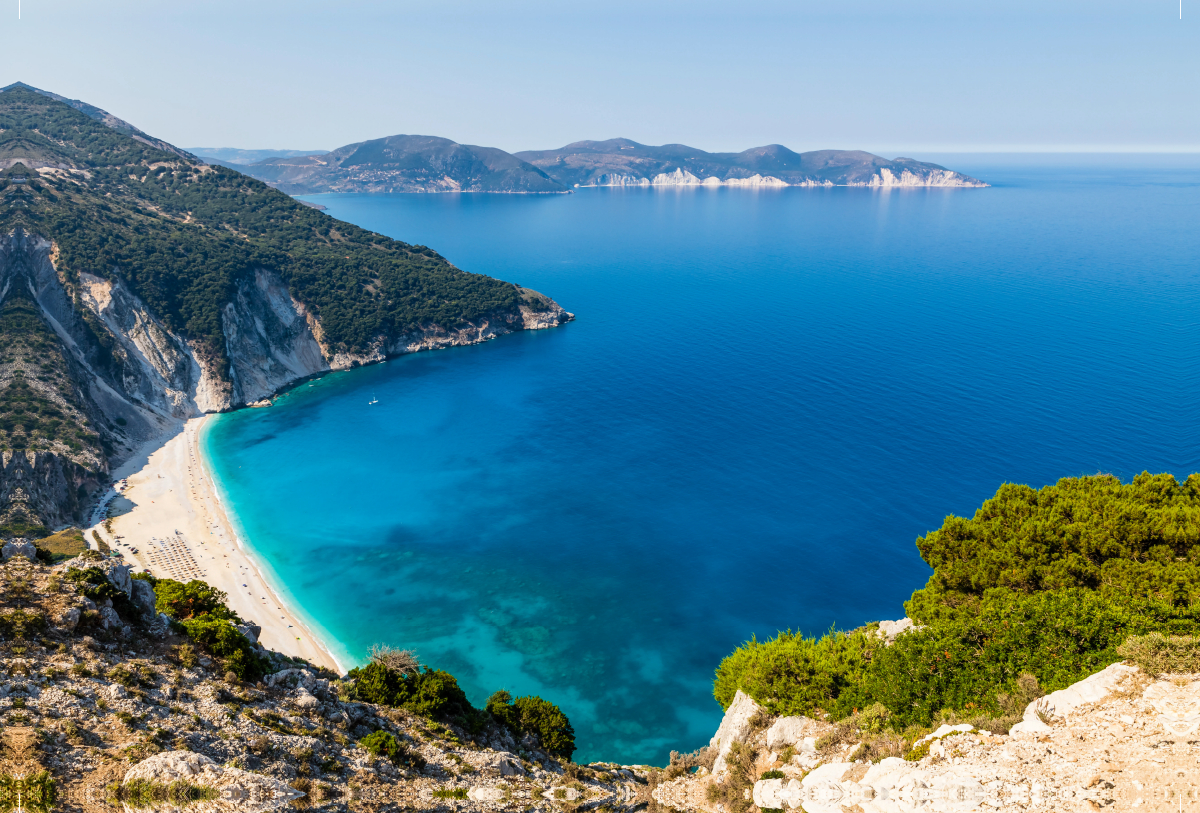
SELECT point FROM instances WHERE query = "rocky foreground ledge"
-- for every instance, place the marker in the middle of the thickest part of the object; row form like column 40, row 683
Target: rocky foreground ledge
column 1120, row 739
column 106, row 708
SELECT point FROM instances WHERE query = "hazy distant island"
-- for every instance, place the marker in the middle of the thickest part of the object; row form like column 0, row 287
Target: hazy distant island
column 412, row 163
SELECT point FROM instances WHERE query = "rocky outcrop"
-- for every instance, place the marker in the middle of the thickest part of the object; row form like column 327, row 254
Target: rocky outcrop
column 736, row 726
column 1118, row 739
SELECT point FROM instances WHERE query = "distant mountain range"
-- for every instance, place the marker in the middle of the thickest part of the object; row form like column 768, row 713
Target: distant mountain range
column 407, row 163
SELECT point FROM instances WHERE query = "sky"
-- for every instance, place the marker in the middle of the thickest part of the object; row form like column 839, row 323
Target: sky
column 891, row 77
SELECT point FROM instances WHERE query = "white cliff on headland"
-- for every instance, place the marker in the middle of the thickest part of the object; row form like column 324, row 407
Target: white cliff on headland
column 885, row 178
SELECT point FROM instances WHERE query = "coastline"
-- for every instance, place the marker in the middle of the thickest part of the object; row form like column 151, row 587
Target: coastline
column 171, row 489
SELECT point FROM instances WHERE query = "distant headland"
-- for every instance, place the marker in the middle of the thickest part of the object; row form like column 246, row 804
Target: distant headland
column 413, row 163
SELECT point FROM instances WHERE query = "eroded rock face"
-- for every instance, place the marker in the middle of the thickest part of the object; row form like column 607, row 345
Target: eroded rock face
column 735, row 727
column 143, row 597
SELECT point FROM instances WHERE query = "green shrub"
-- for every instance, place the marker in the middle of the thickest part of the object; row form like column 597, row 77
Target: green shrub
column 432, row 693
column 191, row 600
column 221, row 639
column 774, row 775
column 381, row 743
column 533, row 715
column 96, row 586
column 453, row 793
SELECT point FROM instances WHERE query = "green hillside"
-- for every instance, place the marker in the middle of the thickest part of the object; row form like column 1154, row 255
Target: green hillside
column 180, row 233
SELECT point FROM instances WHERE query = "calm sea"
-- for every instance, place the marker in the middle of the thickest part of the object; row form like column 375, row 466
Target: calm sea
column 767, row 396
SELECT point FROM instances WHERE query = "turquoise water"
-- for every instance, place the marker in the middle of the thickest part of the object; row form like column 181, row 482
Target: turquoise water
column 767, row 396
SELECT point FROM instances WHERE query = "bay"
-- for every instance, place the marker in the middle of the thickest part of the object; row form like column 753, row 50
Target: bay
column 767, row 396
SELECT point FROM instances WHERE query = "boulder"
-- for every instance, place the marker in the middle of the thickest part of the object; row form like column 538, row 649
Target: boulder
column 143, row 597
column 735, row 727
column 109, row 618
column 890, row 629
column 251, row 631
column 19, row 547
column 291, row 677
column 304, row 700
column 68, row 619
column 1091, row 689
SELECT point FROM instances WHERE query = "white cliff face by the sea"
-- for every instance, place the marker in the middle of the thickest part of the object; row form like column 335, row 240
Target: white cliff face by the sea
column 271, row 341
column 884, row 179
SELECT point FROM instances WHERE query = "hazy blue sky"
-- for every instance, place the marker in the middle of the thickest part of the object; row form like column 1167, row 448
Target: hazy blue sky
column 889, row 76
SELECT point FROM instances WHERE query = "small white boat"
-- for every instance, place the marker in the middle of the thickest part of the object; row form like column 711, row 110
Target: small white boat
column 373, row 400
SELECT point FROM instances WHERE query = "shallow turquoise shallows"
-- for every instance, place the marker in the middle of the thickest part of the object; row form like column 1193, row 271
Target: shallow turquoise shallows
column 767, row 396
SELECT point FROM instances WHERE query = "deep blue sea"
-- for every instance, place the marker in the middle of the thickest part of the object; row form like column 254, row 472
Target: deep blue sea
column 767, row 396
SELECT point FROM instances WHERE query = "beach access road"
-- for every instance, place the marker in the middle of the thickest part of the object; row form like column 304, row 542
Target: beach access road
column 179, row 527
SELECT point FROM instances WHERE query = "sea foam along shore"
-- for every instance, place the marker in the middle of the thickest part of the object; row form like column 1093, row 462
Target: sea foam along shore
column 171, row 497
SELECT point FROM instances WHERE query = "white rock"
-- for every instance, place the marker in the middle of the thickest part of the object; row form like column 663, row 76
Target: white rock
column 304, row 700
column 1091, row 689
column 890, row 629
column 735, row 727
column 109, row 618
column 832, row 773
column 790, row 731
column 237, row 789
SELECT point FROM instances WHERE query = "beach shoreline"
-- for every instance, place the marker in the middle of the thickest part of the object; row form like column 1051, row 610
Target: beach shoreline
column 172, row 513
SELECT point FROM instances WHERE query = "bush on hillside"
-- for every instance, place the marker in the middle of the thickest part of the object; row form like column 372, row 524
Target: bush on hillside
column 431, row 693
column 220, row 638
column 96, row 586
column 191, row 600
column 533, row 715
column 1046, row 583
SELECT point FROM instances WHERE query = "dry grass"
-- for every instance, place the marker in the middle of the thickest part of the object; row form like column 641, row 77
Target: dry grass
column 1159, row 654
column 63, row 545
